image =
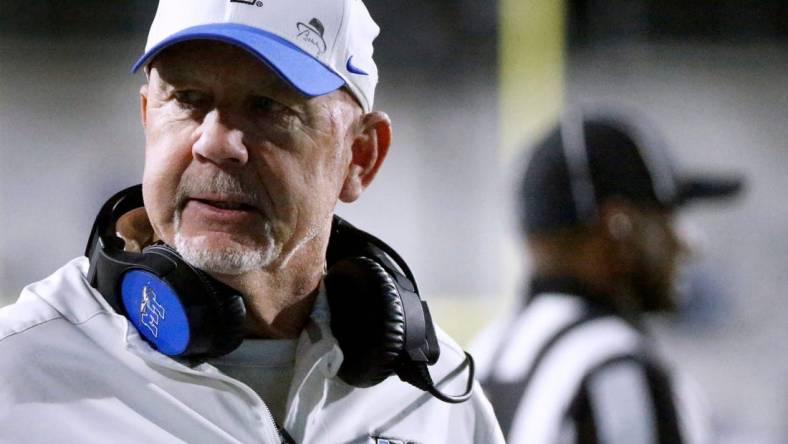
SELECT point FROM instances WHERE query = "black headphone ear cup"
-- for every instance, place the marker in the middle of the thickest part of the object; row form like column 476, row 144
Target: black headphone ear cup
column 230, row 322
column 367, row 319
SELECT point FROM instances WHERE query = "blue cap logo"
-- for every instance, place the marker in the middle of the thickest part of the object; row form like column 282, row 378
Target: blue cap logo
column 355, row 69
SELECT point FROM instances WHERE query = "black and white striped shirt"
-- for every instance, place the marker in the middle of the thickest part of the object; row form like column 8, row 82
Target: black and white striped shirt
column 568, row 369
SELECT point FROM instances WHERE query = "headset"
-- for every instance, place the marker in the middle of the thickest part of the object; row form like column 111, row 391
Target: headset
column 377, row 316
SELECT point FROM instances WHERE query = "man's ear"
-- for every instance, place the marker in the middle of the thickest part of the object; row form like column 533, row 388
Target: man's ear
column 618, row 225
column 617, row 219
column 368, row 152
column 144, row 104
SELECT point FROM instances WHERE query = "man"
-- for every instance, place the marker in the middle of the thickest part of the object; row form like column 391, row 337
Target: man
column 575, row 364
column 257, row 119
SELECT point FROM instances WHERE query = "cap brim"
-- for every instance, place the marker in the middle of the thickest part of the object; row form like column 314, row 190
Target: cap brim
column 305, row 73
column 709, row 187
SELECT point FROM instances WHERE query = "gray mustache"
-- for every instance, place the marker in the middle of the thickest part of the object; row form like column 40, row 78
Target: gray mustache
column 219, row 183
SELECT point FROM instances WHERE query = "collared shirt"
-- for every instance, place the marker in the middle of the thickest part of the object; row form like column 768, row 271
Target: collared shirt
column 74, row 371
column 266, row 366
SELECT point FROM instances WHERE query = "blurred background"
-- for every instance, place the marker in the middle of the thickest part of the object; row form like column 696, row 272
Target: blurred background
column 468, row 85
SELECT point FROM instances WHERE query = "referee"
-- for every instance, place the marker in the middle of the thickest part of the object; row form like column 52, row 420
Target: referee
column 575, row 364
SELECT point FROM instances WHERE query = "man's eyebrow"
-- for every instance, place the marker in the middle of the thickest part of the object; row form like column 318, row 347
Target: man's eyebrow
column 178, row 76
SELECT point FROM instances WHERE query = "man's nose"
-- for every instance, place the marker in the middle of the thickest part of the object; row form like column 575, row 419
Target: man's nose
column 220, row 143
column 689, row 239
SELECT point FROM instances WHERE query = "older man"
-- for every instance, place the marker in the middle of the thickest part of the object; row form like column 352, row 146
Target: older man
column 214, row 315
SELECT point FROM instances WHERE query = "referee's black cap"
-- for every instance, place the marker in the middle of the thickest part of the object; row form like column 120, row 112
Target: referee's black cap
column 592, row 156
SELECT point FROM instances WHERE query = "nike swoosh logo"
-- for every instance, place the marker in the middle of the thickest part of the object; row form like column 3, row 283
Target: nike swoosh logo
column 355, row 69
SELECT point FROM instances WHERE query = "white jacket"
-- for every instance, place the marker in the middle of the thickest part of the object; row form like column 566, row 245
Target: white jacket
column 74, row 371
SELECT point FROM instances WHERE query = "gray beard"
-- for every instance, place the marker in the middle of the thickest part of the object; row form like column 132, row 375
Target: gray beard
column 231, row 261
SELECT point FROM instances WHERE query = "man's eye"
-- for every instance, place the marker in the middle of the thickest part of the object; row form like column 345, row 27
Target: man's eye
column 267, row 105
column 192, row 98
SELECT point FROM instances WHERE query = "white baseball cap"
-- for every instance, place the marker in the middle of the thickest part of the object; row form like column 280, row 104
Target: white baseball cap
column 317, row 46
